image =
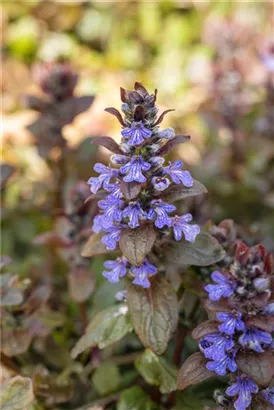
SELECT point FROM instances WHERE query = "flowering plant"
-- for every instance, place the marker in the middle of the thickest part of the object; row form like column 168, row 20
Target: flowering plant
column 238, row 337
column 137, row 191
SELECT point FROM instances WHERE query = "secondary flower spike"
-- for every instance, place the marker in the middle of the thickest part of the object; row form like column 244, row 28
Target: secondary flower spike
column 239, row 340
column 131, row 188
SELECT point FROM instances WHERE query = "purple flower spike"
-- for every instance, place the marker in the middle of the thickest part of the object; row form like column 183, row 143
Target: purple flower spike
column 180, row 226
column 137, row 133
column 253, row 339
column 134, row 169
column 177, row 175
column 142, row 273
column 133, row 212
column 160, row 210
column 160, row 183
column 243, row 388
column 117, row 269
column 217, row 344
column 115, row 191
column 224, row 288
column 106, row 174
column 112, row 238
column 231, row 323
column 221, row 366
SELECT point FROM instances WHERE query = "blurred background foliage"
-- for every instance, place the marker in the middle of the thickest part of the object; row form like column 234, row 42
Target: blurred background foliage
column 208, row 61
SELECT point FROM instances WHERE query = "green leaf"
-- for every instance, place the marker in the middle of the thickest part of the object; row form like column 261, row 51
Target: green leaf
column 205, row 251
column 190, row 401
column 106, row 379
column 176, row 193
column 16, row 394
column 157, row 371
column 154, row 313
column 135, row 244
column 135, row 399
column 106, row 327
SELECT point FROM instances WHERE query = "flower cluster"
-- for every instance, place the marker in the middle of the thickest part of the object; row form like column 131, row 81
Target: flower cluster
column 241, row 302
column 137, row 180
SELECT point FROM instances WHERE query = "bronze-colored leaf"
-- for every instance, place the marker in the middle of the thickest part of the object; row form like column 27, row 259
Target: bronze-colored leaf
column 116, row 113
column 193, row 371
column 154, row 313
column 108, row 143
column 209, row 326
column 81, row 284
column 177, row 192
column 170, row 145
column 94, row 246
column 37, row 298
column 258, row 366
column 262, row 322
column 135, row 244
column 130, row 190
column 16, row 394
column 160, row 119
column 15, row 341
column 216, row 306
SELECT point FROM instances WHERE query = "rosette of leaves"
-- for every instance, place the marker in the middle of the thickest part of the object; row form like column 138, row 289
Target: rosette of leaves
column 24, row 314
column 137, row 192
column 72, row 228
column 58, row 106
column 237, row 339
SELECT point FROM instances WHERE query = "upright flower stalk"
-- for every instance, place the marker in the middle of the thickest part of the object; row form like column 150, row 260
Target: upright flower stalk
column 134, row 189
column 238, row 338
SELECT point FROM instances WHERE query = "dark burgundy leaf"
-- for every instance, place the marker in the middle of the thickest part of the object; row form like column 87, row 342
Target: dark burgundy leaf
column 139, row 87
column 135, row 244
column 108, row 143
column 209, row 326
column 160, row 119
column 216, row 306
column 34, row 103
column 193, row 371
column 116, row 113
column 130, row 96
column 170, row 145
column 258, row 366
column 130, row 190
column 139, row 113
column 262, row 322
column 71, row 107
column 177, row 192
